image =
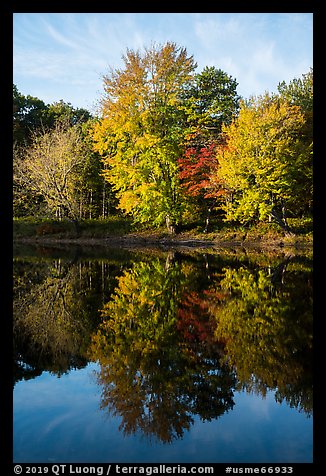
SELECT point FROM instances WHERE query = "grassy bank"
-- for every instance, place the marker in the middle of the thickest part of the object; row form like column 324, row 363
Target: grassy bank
column 39, row 228
column 116, row 229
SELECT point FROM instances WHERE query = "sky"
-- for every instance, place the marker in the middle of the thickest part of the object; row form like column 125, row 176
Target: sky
column 63, row 56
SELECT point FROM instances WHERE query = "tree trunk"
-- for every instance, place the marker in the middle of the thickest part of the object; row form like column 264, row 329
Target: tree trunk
column 284, row 217
column 169, row 260
column 283, row 223
column 207, row 220
column 278, row 274
column 81, row 208
column 170, row 225
column 103, row 201
column 90, row 204
column 77, row 227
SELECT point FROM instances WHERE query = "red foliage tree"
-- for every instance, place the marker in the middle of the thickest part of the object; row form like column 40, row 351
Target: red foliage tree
column 198, row 173
column 195, row 321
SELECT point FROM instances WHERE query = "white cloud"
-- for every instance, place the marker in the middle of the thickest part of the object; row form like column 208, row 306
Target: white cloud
column 215, row 32
column 60, row 38
column 258, row 50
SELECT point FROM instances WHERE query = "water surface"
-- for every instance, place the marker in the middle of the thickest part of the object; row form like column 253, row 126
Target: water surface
column 162, row 356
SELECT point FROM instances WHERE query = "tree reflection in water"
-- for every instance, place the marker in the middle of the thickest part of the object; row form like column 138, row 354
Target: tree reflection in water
column 151, row 377
column 55, row 313
column 176, row 333
column 265, row 321
column 172, row 346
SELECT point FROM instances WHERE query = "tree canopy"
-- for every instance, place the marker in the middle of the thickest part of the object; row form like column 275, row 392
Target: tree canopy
column 141, row 132
column 31, row 114
column 170, row 146
column 265, row 166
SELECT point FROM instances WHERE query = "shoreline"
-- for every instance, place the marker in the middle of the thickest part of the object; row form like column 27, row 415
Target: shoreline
column 176, row 241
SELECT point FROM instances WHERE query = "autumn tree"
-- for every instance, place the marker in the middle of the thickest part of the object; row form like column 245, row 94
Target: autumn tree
column 140, row 135
column 32, row 118
column 263, row 159
column 210, row 102
column 95, row 195
column 267, row 328
column 50, row 168
column 299, row 92
column 154, row 374
column 64, row 151
column 199, row 179
column 55, row 302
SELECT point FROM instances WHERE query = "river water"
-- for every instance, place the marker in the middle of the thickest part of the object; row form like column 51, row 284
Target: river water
column 148, row 356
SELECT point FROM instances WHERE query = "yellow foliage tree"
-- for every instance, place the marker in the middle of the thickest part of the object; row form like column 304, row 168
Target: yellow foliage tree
column 265, row 166
column 140, row 134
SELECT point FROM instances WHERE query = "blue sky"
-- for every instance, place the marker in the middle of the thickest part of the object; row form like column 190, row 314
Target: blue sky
column 64, row 55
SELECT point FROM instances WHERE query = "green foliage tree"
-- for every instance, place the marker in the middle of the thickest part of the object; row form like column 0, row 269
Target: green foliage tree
column 299, row 92
column 62, row 111
column 210, row 101
column 140, row 134
column 29, row 114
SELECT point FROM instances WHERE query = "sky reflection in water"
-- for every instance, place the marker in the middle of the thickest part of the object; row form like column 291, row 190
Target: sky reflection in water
column 60, row 418
column 160, row 391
